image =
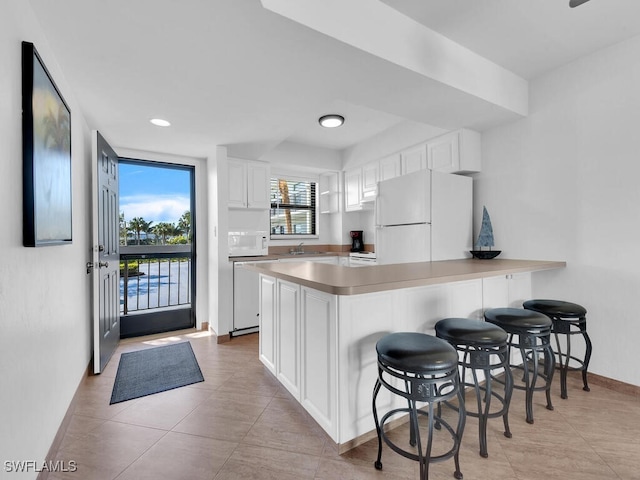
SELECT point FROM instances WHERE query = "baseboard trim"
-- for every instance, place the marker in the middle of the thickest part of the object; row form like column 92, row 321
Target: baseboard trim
column 223, row 338
column 205, row 326
column 611, row 384
column 64, row 425
column 220, row 338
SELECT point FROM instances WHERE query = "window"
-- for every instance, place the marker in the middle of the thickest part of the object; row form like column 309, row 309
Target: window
column 293, row 207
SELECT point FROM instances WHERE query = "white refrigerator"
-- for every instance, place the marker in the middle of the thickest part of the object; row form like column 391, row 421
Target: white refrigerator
column 424, row 216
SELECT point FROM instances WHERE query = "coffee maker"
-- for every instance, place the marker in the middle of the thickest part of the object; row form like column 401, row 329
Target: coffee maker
column 357, row 240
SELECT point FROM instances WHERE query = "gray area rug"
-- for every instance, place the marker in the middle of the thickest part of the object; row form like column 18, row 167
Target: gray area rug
column 154, row 370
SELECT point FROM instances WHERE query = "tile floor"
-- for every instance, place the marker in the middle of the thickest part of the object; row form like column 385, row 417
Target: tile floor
column 240, row 424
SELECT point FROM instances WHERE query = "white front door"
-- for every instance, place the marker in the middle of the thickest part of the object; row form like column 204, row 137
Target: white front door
column 106, row 252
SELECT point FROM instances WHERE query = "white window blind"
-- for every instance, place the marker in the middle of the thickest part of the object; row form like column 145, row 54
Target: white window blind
column 293, row 207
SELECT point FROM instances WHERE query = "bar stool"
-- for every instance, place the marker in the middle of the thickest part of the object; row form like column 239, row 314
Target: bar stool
column 568, row 319
column 428, row 368
column 533, row 330
column 484, row 348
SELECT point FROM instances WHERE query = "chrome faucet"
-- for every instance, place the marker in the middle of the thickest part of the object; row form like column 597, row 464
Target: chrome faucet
column 297, row 249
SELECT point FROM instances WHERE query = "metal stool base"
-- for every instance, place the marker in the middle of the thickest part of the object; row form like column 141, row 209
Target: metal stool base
column 563, row 326
column 431, row 388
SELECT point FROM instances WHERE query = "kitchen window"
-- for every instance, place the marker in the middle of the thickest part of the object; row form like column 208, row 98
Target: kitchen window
column 293, row 208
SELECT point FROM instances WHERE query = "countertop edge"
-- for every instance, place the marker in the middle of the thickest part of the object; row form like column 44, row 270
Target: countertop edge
column 336, row 285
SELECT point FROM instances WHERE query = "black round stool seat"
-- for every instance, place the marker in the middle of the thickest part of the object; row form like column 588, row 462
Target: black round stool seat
column 568, row 319
column 517, row 319
column 421, row 369
column 416, row 352
column 470, row 332
column 556, row 308
column 533, row 332
column 482, row 349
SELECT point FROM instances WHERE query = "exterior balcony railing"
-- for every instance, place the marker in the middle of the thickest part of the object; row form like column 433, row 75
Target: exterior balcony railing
column 155, row 277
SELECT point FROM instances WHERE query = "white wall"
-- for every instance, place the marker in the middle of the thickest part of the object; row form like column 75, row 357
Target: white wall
column 304, row 157
column 45, row 322
column 220, row 269
column 562, row 184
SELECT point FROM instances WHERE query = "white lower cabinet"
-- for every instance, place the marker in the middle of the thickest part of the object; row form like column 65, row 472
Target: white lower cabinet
column 319, row 394
column 288, row 336
column 267, row 339
column 298, row 345
column 506, row 290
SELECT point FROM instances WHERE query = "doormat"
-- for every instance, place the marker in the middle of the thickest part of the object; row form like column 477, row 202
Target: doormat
column 155, row 370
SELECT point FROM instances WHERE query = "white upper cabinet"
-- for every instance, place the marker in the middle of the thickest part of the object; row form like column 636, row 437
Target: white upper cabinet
column 413, row 159
column 237, row 173
column 352, row 190
column 455, row 152
column 258, row 185
column 370, row 177
column 390, row 167
column 248, row 184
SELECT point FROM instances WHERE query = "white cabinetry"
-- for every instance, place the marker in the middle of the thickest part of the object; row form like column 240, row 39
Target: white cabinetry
column 248, row 184
column 413, row 159
column 390, row 167
column 352, row 190
column 360, row 186
column 455, row 152
column 237, row 173
column 300, row 344
column 370, row 177
column 319, row 395
column 506, row 290
column 288, row 336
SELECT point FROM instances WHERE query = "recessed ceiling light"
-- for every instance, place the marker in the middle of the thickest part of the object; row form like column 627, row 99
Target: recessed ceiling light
column 331, row 121
column 160, row 122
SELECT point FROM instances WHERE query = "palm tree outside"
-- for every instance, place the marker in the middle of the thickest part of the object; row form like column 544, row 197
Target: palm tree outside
column 138, row 225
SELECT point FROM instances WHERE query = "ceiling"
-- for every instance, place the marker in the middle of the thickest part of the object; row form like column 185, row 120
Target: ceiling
column 233, row 73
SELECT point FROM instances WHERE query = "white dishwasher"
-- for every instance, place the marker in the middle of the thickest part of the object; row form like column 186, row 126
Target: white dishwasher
column 246, row 301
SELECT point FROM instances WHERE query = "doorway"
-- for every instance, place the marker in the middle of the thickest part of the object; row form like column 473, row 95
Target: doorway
column 157, row 247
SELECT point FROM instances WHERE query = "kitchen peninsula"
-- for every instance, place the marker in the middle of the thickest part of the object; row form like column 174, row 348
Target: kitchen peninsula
column 319, row 324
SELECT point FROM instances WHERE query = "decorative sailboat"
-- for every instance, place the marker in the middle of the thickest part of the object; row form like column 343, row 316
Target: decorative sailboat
column 485, row 239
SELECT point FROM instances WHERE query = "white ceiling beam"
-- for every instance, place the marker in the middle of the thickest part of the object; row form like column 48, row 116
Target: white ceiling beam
column 380, row 30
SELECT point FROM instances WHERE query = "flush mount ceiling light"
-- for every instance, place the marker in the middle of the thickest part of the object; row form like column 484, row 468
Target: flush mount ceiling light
column 331, row 121
column 160, row 122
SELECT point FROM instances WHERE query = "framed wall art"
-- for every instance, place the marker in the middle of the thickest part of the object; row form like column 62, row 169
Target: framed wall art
column 46, row 155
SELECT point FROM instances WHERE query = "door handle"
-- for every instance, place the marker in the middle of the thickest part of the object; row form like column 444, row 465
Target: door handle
column 90, row 265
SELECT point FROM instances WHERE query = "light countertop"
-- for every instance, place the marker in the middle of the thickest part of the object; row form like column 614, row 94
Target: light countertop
column 339, row 280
